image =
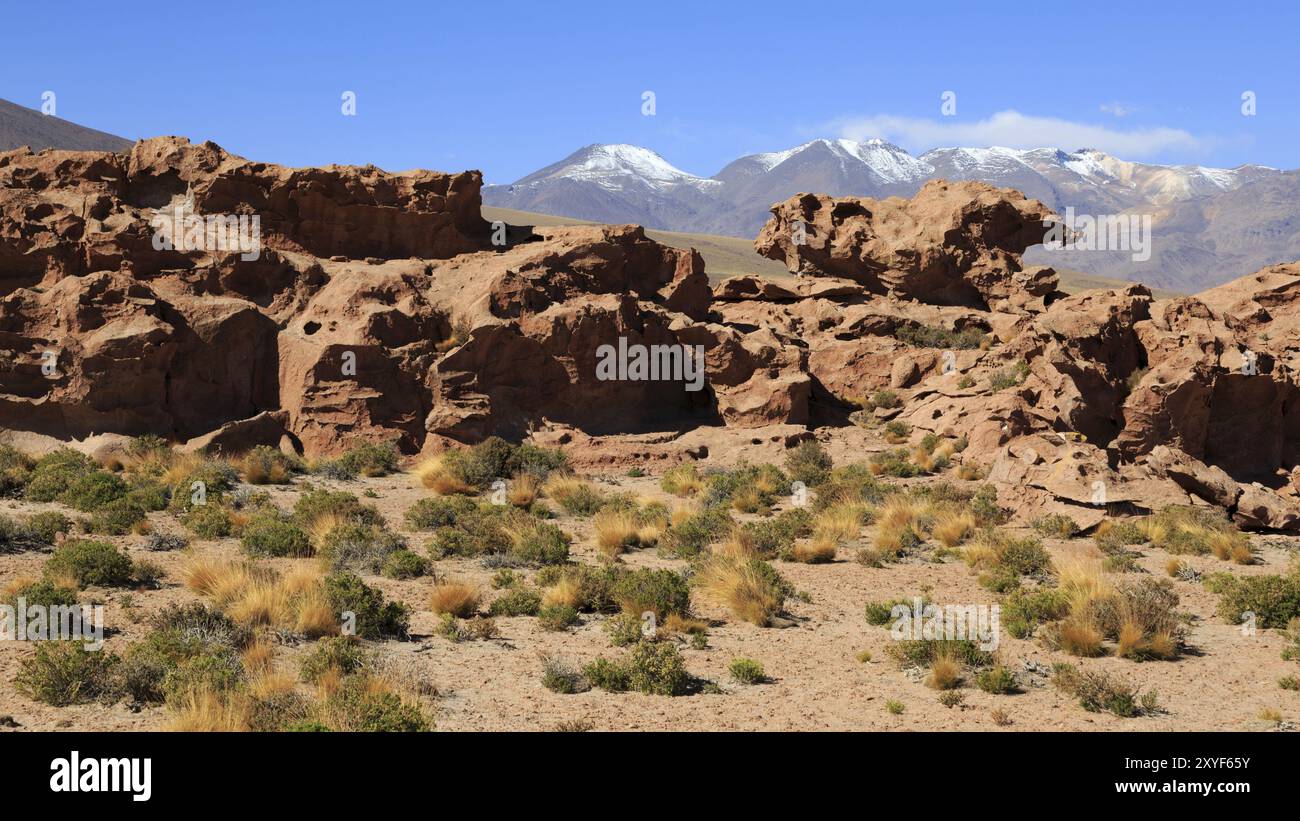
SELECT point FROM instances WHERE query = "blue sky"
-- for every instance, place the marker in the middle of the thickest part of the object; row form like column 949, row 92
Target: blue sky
column 509, row 87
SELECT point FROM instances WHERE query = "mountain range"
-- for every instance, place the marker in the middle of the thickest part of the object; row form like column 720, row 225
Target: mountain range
column 21, row 126
column 1210, row 225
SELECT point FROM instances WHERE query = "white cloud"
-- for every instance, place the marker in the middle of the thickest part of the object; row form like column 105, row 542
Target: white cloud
column 1015, row 130
column 1117, row 109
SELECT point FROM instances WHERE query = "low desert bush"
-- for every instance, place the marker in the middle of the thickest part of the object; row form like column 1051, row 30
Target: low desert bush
column 746, row 671
column 575, row 495
column 265, row 465
column 1097, row 691
column 65, row 672
column 1274, row 600
column 375, row 617
column 88, row 563
column 403, row 564
column 270, row 535
column 52, row 474
column 651, row 667
column 809, row 463
column 658, row 591
column 208, row 521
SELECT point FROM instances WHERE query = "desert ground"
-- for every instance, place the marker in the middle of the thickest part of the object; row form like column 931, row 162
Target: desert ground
column 814, row 678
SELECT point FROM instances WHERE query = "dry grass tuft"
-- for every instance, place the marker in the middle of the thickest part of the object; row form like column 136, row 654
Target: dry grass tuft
column 742, row 587
column 821, row 548
column 456, row 598
column 523, row 490
column 208, row 711
column 434, row 475
column 616, row 531
column 952, row 527
column 945, row 672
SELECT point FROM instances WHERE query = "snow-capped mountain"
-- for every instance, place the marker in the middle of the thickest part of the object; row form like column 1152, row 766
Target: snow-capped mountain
column 626, row 183
column 610, row 183
column 615, row 167
column 1089, row 180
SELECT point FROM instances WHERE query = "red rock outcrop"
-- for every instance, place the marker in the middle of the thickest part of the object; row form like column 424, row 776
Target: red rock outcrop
column 954, row 243
column 377, row 307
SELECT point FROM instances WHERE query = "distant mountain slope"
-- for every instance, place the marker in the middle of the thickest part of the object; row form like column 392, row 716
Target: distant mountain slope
column 21, row 126
column 1211, row 224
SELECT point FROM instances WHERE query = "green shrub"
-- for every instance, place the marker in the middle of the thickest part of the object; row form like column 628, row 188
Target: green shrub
column 623, row 629
column 689, row 537
column 538, row 542
column 370, row 459
column 265, row 465
column 557, row 617
column 656, row 668
column 190, row 646
column 217, row 479
column 652, row 667
column 359, row 708
column 923, row 652
column 595, row 584
column 479, row 465
column 535, row 460
column 375, row 618
column 1275, row 600
column 929, row 336
column 1009, row 377
column 16, row 537
column 1023, row 611
column 54, row 472
column 560, row 678
column 93, row 490
column 809, row 463
column 342, row 653
column 607, row 675
column 319, row 502
column 272, row 536
column 895, row 463
column 43, row 593
column 442, row 511
column 747, row 671
column 65, row 672
column 882, row 613
column 210, row 521
column 358, row 546
column 519, row 600
column 89, row 563
column 116, row 518
column 15, row 470
column 149, row 496
column 1056, row 525
column 1097, row 691
column 777, row 535
column 478, row 530
column 998, row 680
column 403, row 564
column 661, row 592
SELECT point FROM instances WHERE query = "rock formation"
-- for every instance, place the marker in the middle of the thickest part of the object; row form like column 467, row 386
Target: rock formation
column 377, row 306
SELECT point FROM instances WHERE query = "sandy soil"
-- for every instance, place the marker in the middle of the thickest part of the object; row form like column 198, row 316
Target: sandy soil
column 816, row 681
